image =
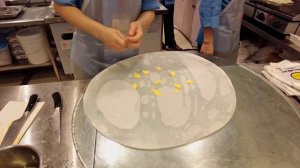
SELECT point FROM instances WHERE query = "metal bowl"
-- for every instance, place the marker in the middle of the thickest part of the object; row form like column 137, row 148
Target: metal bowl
column 17, row 156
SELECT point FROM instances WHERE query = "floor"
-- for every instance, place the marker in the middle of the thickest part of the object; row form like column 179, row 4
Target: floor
column 45, row 75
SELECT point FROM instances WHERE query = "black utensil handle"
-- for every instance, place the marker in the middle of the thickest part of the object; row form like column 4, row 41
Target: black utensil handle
column 32, row 101
column 57, row 100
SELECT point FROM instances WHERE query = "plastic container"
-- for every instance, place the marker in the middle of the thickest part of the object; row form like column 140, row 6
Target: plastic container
column 32, row 41
column 5, row 58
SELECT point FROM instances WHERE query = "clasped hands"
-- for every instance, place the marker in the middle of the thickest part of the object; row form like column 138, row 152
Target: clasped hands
column 116, row 40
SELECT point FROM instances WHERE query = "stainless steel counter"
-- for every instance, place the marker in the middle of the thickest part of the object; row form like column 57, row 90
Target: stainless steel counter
column 56, row 19
column 43, row 15
column 30, row 16
column 38, row 134
column 264, row 132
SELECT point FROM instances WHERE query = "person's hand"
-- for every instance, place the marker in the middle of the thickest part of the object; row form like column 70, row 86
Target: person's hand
column 113, row 39
column 135, row 35
column 207, row 48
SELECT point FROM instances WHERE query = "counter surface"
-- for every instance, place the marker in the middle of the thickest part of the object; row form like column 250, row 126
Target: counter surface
column 43, row 15
column 38, row 135
column 264, row 131
column 29, row 16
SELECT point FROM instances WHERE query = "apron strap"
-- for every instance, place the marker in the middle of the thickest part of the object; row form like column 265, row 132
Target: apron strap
column 84, row 5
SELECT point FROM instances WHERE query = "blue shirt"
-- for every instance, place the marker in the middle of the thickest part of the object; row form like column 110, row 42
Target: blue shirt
column 209, row 12
column 146, row 5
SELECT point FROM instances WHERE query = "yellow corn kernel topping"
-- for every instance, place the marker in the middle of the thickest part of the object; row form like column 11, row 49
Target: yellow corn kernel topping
column 172, row 73
column 156, row 92
column 189, row 82
column 177, row 86
column 158, row 82
column 134, row 86
column 158, row 68
column 146, row 72
column 136, row 75
column 176, row 90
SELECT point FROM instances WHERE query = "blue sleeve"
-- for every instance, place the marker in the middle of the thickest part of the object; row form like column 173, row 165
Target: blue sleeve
column 210, row 13
column 76, row 3
column 150, row 5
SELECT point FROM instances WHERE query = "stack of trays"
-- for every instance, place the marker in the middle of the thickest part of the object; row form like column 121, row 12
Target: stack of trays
column 10, row 12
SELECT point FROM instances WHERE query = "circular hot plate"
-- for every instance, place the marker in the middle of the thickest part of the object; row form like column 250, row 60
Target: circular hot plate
column 159, row 100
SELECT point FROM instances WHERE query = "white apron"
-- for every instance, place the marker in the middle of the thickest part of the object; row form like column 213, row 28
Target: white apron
column 89, row 53
column 227, row 36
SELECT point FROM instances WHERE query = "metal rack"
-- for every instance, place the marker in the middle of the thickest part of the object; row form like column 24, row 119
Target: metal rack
column 284, row 44
column 27, row 66
column 32, row 17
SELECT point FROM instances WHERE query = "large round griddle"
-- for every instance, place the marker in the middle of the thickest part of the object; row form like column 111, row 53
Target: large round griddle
column 141, row 118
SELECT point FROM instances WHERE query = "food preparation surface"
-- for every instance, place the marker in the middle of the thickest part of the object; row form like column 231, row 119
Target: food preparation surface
column 160, row 100
column 264, row 131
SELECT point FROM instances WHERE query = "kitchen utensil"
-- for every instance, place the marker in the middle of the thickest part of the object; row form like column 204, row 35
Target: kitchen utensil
column 17, row 125
column 56, row 124
column 7, row 117
column 19, row 156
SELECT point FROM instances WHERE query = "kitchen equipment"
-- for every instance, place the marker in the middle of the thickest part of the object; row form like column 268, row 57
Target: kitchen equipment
column 19, row 156
column 17, row 125
column 56, row 124
column 7, row 117
column 284, row 19
column 159, row 100
column 32, row 41
column 259, row 108
column 63, row 35
column 10, row 12
column 28, row 2
column 5, row 58
column 18, row 54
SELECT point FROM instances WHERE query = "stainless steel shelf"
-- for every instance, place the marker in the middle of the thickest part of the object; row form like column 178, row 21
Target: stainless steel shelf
column 30, row 16
column 284, row 44
column 34, row 16
column 18, row 67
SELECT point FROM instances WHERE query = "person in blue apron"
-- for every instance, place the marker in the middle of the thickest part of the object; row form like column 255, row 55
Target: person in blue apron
column 220, row 28
column 170, row 42
column 107, row 31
